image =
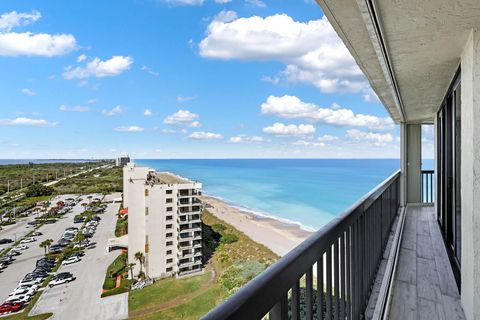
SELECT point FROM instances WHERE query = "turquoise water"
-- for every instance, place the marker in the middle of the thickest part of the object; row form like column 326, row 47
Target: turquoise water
column 310, row 192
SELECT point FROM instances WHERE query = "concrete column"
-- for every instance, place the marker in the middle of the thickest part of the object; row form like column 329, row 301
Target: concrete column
column 470, row 175
column 411, row 162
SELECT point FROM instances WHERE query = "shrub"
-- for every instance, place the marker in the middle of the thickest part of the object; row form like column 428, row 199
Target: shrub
column 239, row 274
column 218, row 228
column 39, row 190
column 109, row 284
column 229, row 238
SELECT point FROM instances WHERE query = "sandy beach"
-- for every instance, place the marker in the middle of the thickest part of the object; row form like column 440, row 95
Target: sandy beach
column 278, row 236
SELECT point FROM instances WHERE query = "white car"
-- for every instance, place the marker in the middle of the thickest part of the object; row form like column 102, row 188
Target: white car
column 70, row 260
column 25, row 298
column 23, row 291
column 30, row 282
column 57, row 282
column 28, row 240
column 21, row 247
column 28, row 287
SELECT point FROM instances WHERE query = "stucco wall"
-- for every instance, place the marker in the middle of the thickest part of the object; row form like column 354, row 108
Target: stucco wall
column 470, row 189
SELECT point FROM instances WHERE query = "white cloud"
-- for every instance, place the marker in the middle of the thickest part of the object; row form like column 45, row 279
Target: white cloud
column 305, row 143
column 113, row 112
column 244, row 138
column 222, row 1
column 184, row 2
column 281, row 129
column 81, row 58
column 41, row 44
column 377, row 139
column 184, row 117
column 65, row 108
column 256, row 3
column 327, row 138
column 27, row 122
column 200, row 135
column 28, row 92
column 312, row 51
column 15, row 19
column 98, row 68
column 129, row 129
column 225, row 16
column 147, row 112
column 92, row 101
column 291, row 107
column 195, row 124
column 149, row 71
column 184, row 98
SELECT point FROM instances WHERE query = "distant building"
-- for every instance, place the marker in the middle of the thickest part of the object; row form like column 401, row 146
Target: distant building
column 163, row 221
column 122, row 161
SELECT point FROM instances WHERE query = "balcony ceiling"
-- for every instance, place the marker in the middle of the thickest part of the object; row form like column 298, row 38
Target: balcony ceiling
column 423, row 42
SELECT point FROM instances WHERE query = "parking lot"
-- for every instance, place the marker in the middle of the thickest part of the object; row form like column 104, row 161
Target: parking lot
column 15, row 231
column 25, row 263
column 80, row 299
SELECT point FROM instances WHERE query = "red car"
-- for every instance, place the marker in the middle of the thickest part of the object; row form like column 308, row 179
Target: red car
column 8, row 307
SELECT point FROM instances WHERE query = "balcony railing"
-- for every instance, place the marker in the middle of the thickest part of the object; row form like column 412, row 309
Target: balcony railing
column 428, row 186
column 346, row 254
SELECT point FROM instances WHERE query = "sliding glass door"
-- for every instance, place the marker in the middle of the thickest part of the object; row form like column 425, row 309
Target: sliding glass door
column 448, row 173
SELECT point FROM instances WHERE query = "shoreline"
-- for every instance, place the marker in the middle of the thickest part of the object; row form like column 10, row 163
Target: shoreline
column 277, row 235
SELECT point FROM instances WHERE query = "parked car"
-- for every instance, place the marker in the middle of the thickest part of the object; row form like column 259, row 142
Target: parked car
column 70, row 260
column 26, row 282
column 5, row 241
column 55, row 248
column 23, row 298
column 9, row 307
column 13, row 253
column 21, row 247
column 62, row 280
column 37, row 233
column 28, row 240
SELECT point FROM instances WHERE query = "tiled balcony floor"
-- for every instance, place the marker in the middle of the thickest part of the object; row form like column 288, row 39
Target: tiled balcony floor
column 424, row 285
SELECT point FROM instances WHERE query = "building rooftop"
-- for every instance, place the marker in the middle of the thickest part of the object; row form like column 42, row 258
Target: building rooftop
column 166, row 178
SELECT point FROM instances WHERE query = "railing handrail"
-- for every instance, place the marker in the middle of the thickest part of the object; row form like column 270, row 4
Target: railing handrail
column 251, row 302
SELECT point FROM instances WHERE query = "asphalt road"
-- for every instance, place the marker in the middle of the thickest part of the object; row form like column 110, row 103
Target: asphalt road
column 80, row 299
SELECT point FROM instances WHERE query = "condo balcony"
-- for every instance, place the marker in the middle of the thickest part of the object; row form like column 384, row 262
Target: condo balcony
column 378, row 258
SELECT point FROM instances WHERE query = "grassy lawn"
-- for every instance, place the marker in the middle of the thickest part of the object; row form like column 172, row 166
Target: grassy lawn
column 233, row 261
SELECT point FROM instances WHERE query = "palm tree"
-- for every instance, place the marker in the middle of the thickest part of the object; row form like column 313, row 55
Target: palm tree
column 130, row 267
column 141, row 259
column 48, row 242
column 44, row 245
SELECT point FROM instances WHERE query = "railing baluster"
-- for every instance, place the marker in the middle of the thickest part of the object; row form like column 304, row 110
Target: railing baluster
column 309, row 294
column 342, row 276
column 336, row 282
column 280, row 309
column 320, row 295
column 295, row 305
column 348, row 300
column 328, row 293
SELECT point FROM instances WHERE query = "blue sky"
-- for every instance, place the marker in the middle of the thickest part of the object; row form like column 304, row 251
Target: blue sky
column 182, row 79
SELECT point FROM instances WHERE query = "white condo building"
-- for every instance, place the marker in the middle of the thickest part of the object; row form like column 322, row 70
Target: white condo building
column 163, row 221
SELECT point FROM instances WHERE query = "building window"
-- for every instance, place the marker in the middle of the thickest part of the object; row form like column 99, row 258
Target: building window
column 169, row 269
column 146, row 211
column 169, row 243
column 169, row 235
column 169, row 217
column 146, row 192
column 169, row 209
column 169, row 200
column 169, row 226
column 169, row 251
column 169, row 191
column 169, row 260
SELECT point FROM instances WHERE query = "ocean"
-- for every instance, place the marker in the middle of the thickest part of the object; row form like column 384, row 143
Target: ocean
column 310, row 192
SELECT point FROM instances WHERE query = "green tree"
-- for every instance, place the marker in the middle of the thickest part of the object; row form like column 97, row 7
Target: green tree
column 39, row 190
column 130, row 267
column 141, row 259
